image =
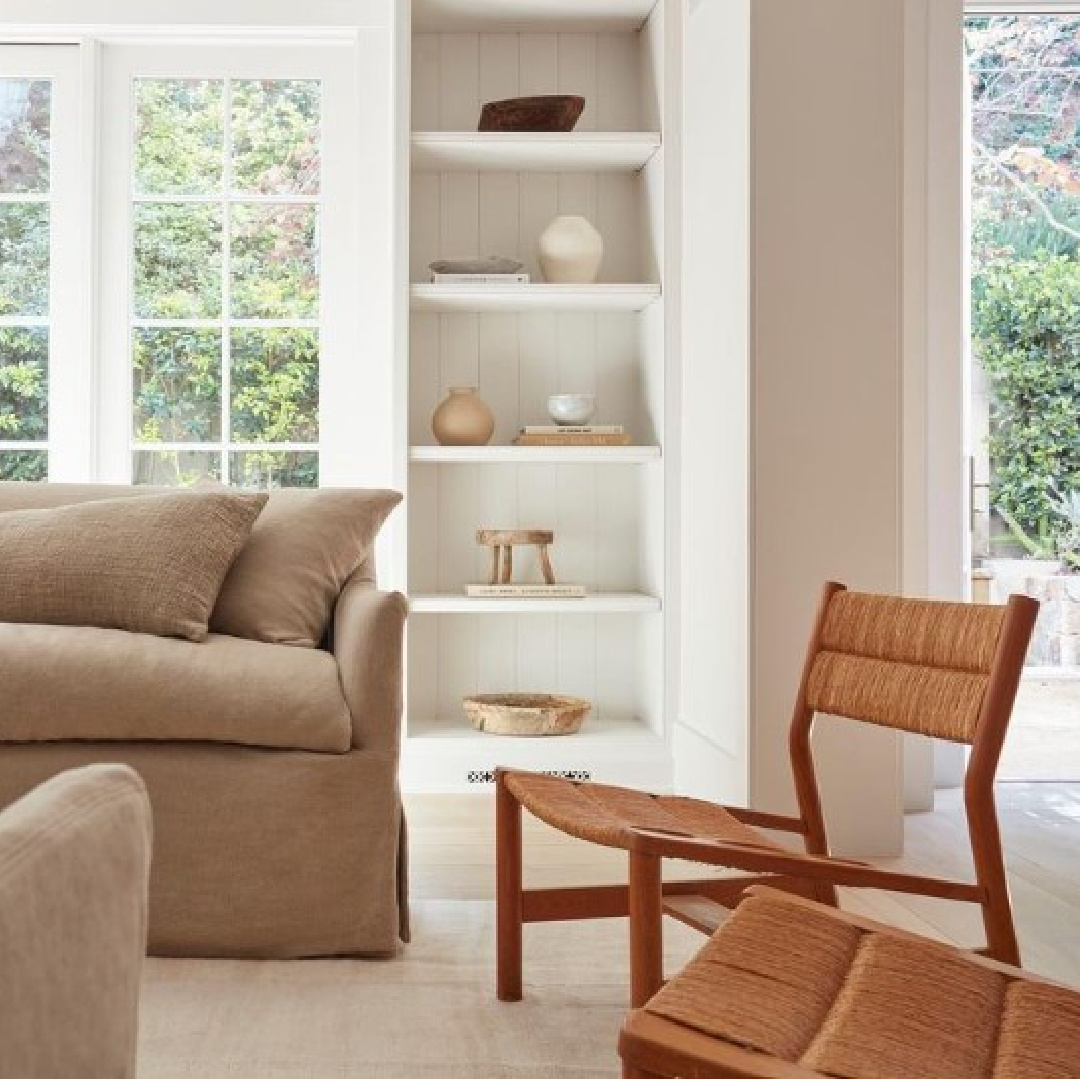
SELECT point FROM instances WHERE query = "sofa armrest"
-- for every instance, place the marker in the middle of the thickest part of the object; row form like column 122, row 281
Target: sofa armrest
column 367, row 643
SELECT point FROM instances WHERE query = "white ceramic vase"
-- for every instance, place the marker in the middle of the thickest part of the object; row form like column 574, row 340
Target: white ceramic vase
column 570, row 251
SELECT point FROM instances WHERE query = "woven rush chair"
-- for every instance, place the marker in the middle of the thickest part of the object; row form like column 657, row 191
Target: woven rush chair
column 936, row 668
column 787, row 987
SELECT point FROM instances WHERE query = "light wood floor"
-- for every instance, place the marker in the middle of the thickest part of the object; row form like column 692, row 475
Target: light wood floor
column 451, row 845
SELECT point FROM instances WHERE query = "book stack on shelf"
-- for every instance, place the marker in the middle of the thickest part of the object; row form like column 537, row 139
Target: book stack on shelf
column 489, row 271
column 575, row 435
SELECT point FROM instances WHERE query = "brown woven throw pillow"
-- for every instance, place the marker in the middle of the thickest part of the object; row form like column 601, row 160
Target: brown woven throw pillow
column 284, row 584
column 153, row 564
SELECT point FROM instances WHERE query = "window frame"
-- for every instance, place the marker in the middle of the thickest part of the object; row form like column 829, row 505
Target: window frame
column 333, row 63
column 70, row 442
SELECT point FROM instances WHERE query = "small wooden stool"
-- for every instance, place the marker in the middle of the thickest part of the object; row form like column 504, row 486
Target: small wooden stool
column 502, row 543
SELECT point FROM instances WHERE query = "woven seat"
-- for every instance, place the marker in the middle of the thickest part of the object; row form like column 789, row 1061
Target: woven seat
column 789, row 984
column 930, row 667
column 609, row 816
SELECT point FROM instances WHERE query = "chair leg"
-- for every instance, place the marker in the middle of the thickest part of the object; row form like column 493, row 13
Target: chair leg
column 1001, row 943
column 646, row 927
column 508, row 899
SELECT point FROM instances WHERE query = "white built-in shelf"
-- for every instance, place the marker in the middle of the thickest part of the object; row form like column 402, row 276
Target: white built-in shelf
column 579, row 151
column 458, row 729
column 524, row 455
column 532, row 297
column 531, row 15
column 625, row 603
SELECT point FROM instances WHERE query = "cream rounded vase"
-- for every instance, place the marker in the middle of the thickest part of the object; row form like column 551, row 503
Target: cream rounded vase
column 463, row 419
column 570, row 250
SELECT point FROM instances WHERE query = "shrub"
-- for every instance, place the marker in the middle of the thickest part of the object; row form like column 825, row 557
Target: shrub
column 1026, row 333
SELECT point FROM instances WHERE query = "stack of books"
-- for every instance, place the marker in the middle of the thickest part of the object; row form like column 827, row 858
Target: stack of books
column 578, row 435
column 517, row 591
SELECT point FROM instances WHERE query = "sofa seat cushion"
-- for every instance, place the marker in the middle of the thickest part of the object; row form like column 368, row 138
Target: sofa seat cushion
column 63, row 682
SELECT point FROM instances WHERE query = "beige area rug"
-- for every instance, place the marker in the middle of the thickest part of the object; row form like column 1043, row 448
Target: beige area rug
column 431, row 1012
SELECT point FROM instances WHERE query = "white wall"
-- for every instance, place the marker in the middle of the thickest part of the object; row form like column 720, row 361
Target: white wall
column 710, row 732
column 827, row 83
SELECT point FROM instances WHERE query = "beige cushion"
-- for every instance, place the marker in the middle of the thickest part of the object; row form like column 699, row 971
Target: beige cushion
column 74, row 865
column 153, row 565
column 303, row 547
column 62, row 682
column 284, row 583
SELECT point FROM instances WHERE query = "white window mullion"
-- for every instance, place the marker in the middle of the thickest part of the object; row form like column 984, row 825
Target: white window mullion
column 226, row 284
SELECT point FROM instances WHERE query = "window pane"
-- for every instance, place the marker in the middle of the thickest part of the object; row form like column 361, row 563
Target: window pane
column 179, row 137
column 276, row 136
column 274, row 469
column 275, row 266
column 177, row 261
column 24, row 259
column 24, row 383
column 177, row 385
column 24, row 464
column 169, row 468
column 275, row 386
column 24, row 135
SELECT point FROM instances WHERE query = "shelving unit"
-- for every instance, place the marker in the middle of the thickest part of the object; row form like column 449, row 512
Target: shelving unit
column 493, row 193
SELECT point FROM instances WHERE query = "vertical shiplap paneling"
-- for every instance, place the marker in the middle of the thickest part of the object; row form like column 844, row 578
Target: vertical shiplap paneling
column 459, row 81
column 499, row 368
column 499, row 67
column 619, row 200
column 426, row 80
column 499, row 208
column 618, row 377
column 425, row 214
column 424, row 367
column 539, row 373
column 577, row 658
column 538, row 56
column 459, row 215
column 539, row 203
column 577, row 73
column 618, row 82
column 619, row 659
column 424, row 525
column 424, row 704
column 576, row 554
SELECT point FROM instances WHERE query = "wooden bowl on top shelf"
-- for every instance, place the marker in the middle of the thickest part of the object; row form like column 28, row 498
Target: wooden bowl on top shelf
column 546, row 112
column 526, row 714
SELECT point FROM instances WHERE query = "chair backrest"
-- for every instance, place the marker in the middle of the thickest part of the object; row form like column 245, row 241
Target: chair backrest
column 944, row 669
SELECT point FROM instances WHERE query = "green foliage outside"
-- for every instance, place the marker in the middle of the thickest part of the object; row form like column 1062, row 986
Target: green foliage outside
column 1025, row 272
column 178, row 263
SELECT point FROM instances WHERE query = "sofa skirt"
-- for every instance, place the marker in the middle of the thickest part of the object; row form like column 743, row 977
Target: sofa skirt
column 257, row 853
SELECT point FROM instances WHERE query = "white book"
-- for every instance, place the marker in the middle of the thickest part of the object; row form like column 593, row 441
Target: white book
column 573, row 429
column 479, row 279
column 519, row 592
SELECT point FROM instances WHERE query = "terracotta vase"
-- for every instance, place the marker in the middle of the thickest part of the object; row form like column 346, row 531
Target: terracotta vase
column 570, row 251
column 463, row 419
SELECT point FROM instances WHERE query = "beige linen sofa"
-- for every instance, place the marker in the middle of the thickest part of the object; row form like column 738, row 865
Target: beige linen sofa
column 74, row 859
column 271, row 768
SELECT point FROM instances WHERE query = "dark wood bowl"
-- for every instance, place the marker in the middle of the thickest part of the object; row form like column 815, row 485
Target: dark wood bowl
column 548, row 112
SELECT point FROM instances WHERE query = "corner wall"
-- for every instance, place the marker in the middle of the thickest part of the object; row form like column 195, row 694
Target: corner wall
column 827, row 364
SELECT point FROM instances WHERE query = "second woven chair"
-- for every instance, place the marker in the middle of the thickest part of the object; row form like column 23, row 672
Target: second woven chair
column 936, row 668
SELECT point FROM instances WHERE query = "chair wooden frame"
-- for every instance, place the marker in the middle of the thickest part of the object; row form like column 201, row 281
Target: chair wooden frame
column 647, row 897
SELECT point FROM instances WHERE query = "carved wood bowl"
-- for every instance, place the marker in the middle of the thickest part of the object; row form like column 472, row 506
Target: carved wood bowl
column 548, row 112
column 526, row 714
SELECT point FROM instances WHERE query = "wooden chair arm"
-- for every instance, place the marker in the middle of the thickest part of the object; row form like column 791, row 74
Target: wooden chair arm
column 764, row 820
column 844, row 872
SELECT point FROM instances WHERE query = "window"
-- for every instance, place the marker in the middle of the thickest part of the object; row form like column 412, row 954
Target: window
column 36, row 249
column 218, row 310
column 226, row 215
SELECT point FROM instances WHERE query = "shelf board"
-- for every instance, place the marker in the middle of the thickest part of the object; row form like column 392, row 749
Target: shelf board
column 531, row 15
column 446, row 755
column 510, row 298
column 624, row 603
column 524, row 455
column 585, row 151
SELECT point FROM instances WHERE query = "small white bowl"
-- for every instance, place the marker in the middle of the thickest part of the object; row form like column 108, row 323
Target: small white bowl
column 571, row 408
